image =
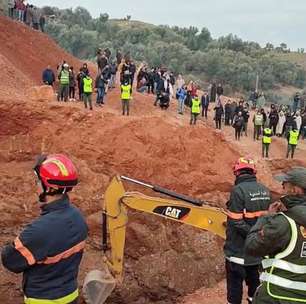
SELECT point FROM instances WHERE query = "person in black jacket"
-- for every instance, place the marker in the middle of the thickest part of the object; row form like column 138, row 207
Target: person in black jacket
column 246, row 117
column 48, row 76
column 220, row 90
column 218, row 113
column 48, row 251
column 248, row 200
column 213, row 92
column 205, row 104
column 273, row 119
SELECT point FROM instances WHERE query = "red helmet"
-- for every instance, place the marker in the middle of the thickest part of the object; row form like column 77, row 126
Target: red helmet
column 56, row 171
column 244, row 164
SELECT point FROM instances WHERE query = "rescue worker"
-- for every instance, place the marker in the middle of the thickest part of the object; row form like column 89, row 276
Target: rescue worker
column 266, row 141
column 281, row 238
column 87, row 91
column 49, row 250
column 248, row 200
column 126, row 91
column 258, row 121
column 195, row 109
column 63, row 77
column 293, row 138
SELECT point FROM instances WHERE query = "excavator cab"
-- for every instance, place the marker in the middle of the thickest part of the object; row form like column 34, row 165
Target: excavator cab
column 99, row 284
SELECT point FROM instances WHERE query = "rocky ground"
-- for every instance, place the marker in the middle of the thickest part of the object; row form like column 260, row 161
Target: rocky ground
column 164, row 262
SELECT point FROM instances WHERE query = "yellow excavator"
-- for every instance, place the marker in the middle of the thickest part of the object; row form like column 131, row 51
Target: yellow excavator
column 99, row 284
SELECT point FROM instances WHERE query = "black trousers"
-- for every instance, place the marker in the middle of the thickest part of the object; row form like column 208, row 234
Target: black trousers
column 235, row 276
column 218, row 122
column 72, row 92
column 204, row 111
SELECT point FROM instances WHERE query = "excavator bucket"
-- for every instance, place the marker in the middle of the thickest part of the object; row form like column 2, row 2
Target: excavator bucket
column 98, row 286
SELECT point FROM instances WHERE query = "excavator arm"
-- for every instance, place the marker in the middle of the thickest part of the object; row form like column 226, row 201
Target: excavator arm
column 117, row 201
column 98, row 285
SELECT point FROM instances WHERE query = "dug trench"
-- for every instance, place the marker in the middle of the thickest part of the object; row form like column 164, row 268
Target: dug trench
column 163, row 260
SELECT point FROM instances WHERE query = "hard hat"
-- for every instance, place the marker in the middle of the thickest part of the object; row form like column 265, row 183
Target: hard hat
column 244, row 164
column 56, row 171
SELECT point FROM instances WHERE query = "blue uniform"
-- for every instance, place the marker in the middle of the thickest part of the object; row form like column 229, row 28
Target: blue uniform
column 49, row 252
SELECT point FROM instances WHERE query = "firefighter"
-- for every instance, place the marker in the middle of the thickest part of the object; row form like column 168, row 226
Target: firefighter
column 248, row 200
column 126, row 91
column 49, row 250
column 280, row 237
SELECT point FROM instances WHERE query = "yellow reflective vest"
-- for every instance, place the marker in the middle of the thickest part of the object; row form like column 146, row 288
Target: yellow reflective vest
column 195, row 108
column 267, row 133
column 87, row 84
column 125, row 91
column 64, row 77
column 293, row 137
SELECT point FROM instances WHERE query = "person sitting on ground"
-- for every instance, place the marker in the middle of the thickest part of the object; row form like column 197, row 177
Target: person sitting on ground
column 195, row 110
column 48, row 76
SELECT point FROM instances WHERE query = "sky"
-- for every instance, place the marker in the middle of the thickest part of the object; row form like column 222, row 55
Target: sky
column 263, row 21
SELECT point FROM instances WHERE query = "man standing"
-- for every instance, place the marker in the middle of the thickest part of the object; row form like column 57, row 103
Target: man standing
column 87, row 91
column 258, row 123
column 293, row 138
column 48, row 76
column 64, row 83
column 218, row 113
column 296, row 102
column 266, row 141
column 220, row 90
column 248, row 200
column 48, row 252
column 100, row 84
column 126, row 91
column 11, row 8
column 195, row 110
column 281, row 238
column 273, row 119
column 205, row 104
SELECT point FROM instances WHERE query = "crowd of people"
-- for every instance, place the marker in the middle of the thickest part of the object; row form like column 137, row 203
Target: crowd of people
column 29, row 14
column 281, row 121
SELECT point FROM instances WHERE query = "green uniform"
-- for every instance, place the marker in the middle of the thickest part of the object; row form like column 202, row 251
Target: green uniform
column 282, row 239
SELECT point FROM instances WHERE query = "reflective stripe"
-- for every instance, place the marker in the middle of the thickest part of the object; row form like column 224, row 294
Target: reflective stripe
column 294, row 237
column 234, row 216
column 64, row 300
column 284, row 265
column 24, row 251
column 64, row 255
column 278, row 281
column 255, row 214
column 235, row 260
column 59, row 164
